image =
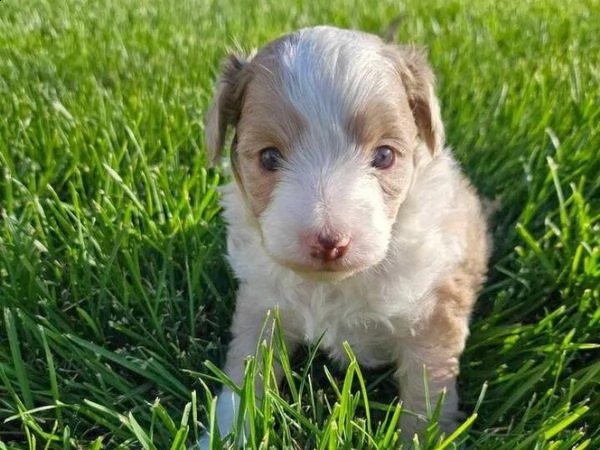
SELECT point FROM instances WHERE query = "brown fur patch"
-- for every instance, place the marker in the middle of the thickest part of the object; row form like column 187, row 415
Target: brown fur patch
column 384, row 121
column 388, row 122
column 419, row 81
column 226, row 107
column 441, row 338
column 250, row 98
column 458, row 292
column 267, row 120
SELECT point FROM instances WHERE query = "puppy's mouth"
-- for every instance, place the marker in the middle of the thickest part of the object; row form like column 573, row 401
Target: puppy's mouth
column 326, row 271
column 325, row 257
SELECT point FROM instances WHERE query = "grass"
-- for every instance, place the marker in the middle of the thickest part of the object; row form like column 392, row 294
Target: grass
column 113, row 286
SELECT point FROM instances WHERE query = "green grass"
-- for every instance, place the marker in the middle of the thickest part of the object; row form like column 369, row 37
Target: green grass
column 113, row 286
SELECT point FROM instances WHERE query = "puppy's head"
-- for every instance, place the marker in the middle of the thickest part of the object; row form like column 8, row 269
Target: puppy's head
column 328, row 126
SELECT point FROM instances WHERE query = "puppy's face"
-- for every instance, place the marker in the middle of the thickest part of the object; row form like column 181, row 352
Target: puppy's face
column 327, row 123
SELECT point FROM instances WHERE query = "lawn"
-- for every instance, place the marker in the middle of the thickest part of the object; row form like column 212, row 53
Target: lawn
column 114, row 291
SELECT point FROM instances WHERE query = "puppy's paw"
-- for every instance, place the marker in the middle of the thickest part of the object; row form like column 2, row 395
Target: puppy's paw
column 411, row 424
column 203, row 443
column 228, row 405
column 450, row 421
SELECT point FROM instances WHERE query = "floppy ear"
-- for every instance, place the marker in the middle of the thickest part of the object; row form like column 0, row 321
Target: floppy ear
column 419, row 82
column 226, row 106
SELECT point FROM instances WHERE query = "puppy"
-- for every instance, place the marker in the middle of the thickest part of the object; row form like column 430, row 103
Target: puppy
column 347, row 212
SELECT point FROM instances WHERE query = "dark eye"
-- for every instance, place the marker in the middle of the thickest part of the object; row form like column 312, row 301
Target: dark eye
column 383, row 157
column 270, row 158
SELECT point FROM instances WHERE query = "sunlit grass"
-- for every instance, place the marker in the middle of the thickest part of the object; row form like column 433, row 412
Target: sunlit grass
column 113, row 286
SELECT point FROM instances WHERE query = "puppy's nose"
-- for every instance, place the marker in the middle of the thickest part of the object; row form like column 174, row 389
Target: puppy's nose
column 328, row 247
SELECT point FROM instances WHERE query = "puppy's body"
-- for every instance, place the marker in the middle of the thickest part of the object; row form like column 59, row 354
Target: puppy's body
column 429, row 240
column 388, row 257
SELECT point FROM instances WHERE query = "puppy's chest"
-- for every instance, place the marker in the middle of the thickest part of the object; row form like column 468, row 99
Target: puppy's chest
column 337, row 315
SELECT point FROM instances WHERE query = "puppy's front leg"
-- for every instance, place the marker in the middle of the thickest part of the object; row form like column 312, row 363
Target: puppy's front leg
column 252, row 323
column 432, row 357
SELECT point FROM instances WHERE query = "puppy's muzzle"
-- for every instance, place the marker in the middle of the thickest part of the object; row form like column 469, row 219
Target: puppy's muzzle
column 327, row 247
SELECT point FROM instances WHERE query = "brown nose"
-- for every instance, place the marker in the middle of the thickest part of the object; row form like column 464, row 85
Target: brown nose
column 328, row 247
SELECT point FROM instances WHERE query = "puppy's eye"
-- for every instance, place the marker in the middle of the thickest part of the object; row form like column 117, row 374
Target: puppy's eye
column 270, row 158
column 383, row 157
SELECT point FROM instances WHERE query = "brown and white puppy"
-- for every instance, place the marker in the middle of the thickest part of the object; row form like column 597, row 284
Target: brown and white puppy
column 347, row 212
